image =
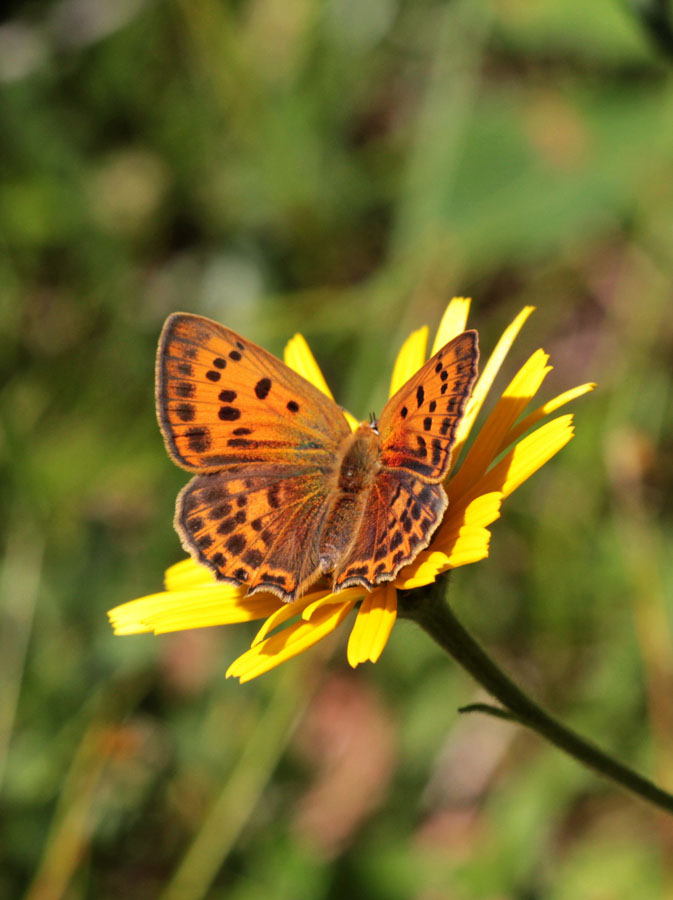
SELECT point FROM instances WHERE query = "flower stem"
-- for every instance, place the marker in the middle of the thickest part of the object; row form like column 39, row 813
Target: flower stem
column 432, row 612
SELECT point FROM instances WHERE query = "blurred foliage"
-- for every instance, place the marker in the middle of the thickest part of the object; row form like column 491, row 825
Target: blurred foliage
column 341, row 168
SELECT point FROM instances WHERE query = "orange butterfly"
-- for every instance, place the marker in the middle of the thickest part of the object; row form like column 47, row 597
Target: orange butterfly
column 285, row 491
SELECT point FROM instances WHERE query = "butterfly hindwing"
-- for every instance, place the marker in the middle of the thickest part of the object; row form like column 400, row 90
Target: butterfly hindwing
column 400, row 517
column 260, row 530
column 222, row 400
column 419, row 422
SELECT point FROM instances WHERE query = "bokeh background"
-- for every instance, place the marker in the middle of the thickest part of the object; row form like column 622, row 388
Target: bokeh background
column 340, row 168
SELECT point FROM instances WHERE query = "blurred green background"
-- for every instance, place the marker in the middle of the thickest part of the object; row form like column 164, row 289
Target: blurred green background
column 340, row 168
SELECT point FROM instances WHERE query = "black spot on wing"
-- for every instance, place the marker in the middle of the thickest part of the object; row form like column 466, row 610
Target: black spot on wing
column 219, row 512
column 262, row 388
column 229, row 413
column 253, row 558
column 199, row 439
column 185, row 389
column 185, row 412
column 236, row 544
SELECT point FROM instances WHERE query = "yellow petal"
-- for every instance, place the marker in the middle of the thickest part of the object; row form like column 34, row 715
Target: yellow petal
column 529, row 455
column 298, row 356
column 188, row 574
column 285, row 612
column 509, row 407
column 424, row 570
column 353, row 594
column 410, row 358
column 545, row 410
column 352, row 421
column 487, row 377
column 289, row 642
column 221, row 604
column 373, row 625
column 454, row 322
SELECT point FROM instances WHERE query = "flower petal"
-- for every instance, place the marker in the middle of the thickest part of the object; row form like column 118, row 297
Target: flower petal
column 353, row 594
column 529, row 455
column 220, row 604
column 188, row 574
column 487, row 377
column 373, row 625
column 410, row 359
column 454, row 322
column 298, row 356
column 546, row 409
column 289, row 642
column 509, row 407
column 285, row 612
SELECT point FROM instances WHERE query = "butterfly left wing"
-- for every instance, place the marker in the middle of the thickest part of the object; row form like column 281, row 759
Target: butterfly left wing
column 263, row 440
column 418, row 424
column 260, row 531
column 407, row 500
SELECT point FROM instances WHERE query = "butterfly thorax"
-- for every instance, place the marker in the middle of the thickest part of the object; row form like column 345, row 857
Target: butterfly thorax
column 357, row 464
column 360, row 456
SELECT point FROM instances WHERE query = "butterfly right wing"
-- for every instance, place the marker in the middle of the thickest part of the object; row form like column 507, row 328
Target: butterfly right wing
column 399, row 519
column 407, row 501
column 418, row 424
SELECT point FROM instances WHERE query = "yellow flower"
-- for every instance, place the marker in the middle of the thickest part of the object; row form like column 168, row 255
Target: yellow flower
column 193, row 599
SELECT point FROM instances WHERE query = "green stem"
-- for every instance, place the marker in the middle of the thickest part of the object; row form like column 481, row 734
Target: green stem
column 432, row 612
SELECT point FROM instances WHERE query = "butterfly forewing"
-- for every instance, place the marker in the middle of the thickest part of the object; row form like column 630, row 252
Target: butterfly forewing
column 222, row 400
column 419, row 422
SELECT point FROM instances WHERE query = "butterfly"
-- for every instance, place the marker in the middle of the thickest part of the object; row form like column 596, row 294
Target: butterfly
column 284, row 492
